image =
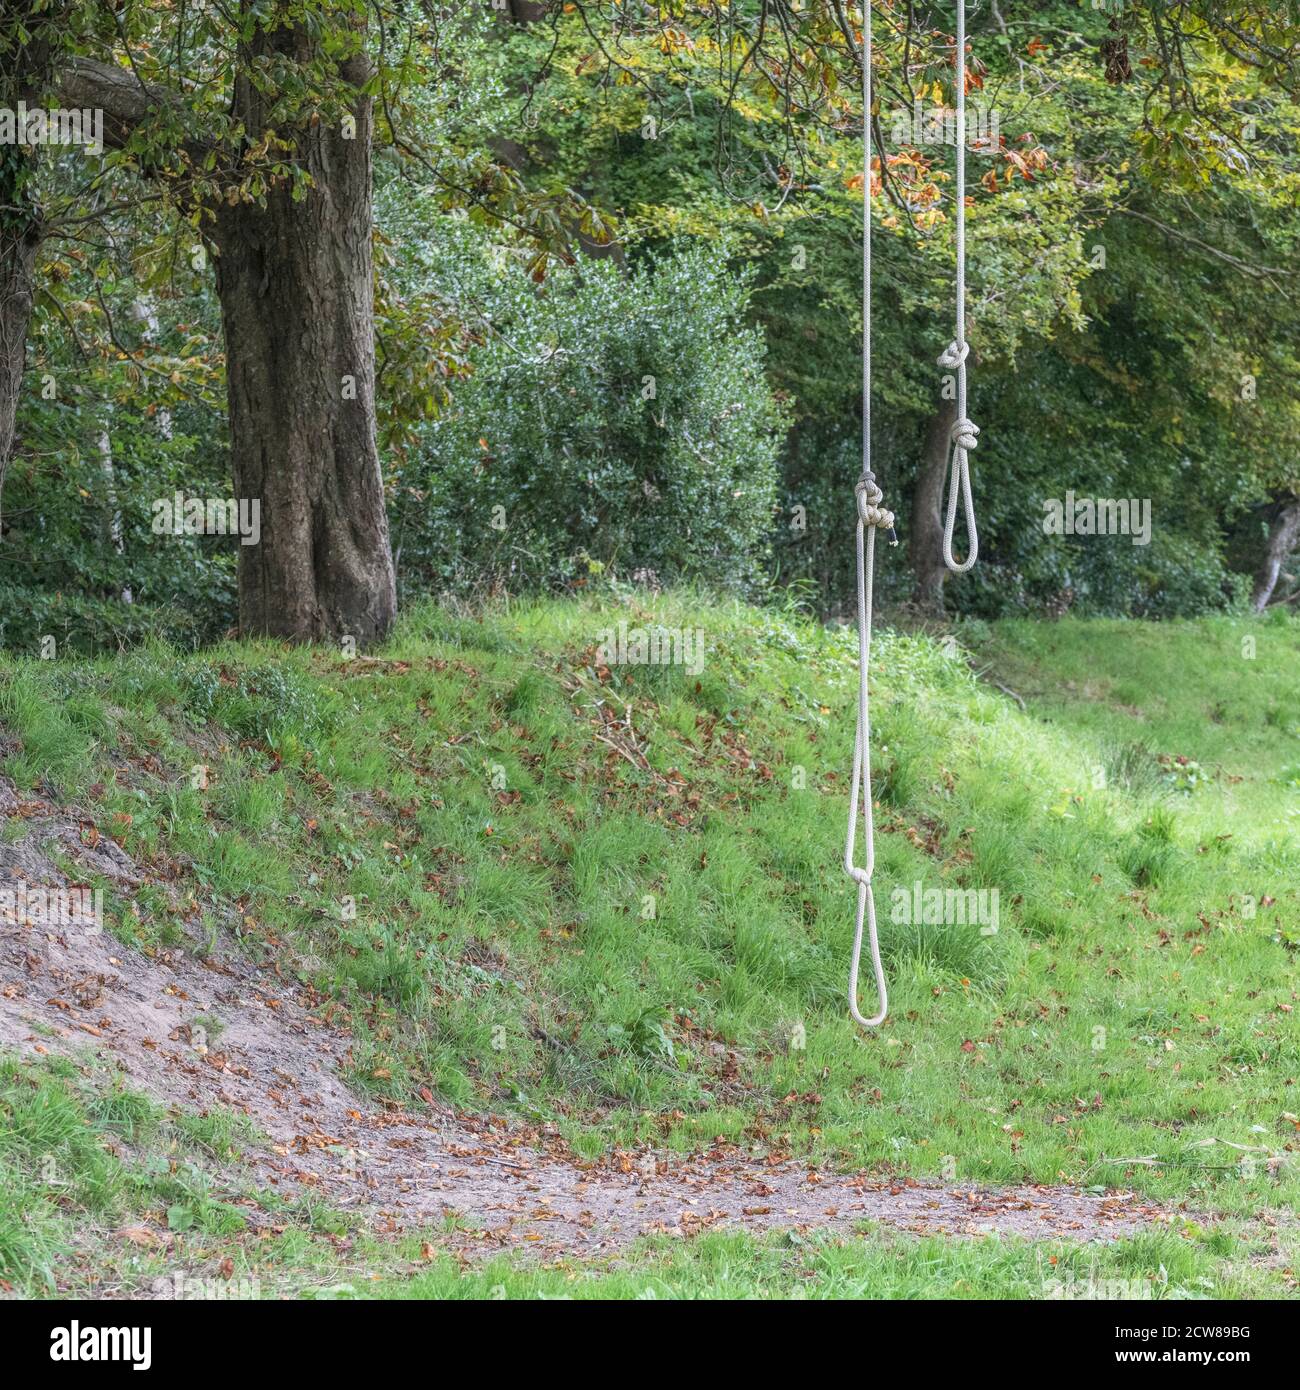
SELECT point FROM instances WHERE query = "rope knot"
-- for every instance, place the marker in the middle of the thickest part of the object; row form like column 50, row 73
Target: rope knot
column 870, row 512
column 869, row 489
column 964, row 434
column 954, row 354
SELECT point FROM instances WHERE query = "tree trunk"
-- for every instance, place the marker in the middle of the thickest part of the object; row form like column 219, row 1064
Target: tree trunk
column 146, row 315
column 297, row 307
column 925, row 530
column 1283, row 534
column 114, row 529
column 26, row 32
column 19, row 238
column 296, row 290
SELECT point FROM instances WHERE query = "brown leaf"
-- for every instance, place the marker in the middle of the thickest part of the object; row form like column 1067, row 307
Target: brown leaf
column 140, row 1235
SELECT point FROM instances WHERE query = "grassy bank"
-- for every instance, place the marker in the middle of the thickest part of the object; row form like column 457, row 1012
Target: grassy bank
column 609, row 896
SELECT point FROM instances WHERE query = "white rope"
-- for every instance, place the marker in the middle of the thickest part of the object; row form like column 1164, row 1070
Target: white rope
column 964, row 434
column 873, row 517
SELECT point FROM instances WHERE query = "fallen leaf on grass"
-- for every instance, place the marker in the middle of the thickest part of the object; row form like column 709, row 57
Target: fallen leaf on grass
column 140, row 1235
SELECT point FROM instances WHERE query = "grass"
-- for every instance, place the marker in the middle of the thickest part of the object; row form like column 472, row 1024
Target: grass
column 875, row 1264
column 91, row 1173
column 82, row 1158
column 649, row 946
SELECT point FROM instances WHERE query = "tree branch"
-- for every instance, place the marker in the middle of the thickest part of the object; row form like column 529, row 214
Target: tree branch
column 124, row 99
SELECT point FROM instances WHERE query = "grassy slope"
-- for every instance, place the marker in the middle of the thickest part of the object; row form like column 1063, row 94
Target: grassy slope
column 657, row 954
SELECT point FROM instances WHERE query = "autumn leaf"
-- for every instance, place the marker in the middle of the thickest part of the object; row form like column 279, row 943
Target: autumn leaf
column 140, row 1235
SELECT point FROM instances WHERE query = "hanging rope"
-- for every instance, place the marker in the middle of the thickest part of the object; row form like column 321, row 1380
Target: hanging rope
column 872, row 517
column 965, row 432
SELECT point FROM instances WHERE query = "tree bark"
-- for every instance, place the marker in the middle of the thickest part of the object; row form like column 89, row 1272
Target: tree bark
column 925, row 538
column 1283, row 534
column 19, row 240
column 115, row 536
column 26, row 70
column 296, row 291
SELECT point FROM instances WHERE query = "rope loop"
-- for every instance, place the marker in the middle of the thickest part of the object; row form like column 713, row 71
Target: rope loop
column 964, row 435
column 860, row 801
column 873, row 517
column 963, row 441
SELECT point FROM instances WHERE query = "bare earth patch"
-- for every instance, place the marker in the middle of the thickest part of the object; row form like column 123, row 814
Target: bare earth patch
column 279, row 1064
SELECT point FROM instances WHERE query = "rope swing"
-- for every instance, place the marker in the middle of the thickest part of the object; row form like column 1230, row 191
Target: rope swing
column 964, row 432
column 872, row 517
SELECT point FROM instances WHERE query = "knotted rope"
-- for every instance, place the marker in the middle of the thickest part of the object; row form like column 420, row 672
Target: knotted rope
column 964, row 433
column 873, row 517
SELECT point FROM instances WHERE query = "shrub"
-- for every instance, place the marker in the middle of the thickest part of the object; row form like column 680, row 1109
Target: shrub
column 83, row 624
column 62, row 573
column 612, row 420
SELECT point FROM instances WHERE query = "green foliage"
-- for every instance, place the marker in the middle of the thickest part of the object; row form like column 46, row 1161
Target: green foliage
column 611, row 422
column 257, row 703
column 1118, row 376
column 1109, row 245
column 105, row 431
column 646, row 1037
column 1182, row 773
column 83, row 625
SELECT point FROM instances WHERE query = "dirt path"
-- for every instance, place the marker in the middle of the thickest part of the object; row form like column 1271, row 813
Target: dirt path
column 278, row 1063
